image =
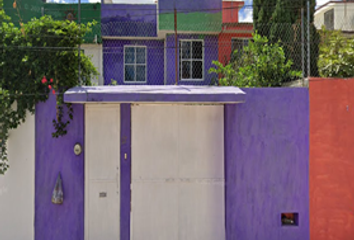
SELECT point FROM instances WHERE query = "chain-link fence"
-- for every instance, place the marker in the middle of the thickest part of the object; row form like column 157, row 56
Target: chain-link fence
column 206, row 43
column 155, row 45
column 147, row 44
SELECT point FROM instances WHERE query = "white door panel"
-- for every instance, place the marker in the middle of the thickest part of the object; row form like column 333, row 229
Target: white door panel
column 177, row 172
column 201, row 210
column 102, row 140
column 201, row 142
column 104, row 211
column 102, row 172
column 155, row 208
column 156, row 138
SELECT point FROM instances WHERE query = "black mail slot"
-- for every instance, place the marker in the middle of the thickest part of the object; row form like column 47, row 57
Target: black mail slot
column 103, row 194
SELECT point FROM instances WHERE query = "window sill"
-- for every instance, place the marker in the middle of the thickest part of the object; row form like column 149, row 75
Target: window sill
column 192, row 80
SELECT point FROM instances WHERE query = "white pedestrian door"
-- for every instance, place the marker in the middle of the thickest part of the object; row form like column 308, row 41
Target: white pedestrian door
column 102, row 171
column 177, row 172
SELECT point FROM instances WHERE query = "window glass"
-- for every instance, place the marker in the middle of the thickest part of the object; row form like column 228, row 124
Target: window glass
column 135, row 64
column 186, row 69
column 191, row 60
column 129, row 55
column 129, row 73
column 197, row 50
column 140, row 55
column 186, row 50
column 140, row 73
column 197, row 70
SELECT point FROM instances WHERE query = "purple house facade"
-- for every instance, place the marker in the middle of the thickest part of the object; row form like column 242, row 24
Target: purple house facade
column 140, row 48
column 264, row 166
column 132, row 52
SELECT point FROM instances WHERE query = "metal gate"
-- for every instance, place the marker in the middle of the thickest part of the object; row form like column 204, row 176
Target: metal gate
column 177, row 172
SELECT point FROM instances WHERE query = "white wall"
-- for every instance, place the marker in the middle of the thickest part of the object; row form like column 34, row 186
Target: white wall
column 17, row 185
column 95, row 51
column 343, row 16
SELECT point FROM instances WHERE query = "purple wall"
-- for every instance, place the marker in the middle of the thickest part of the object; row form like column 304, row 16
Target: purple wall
column 113, row 60
column 210, row 54
column 66, row 221
column 266, row 164
column 266, row 168
column 125, row 168
column 129, row 20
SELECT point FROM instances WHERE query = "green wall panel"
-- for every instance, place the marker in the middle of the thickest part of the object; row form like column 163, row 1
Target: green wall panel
column 28, row 9
column 89, row 12
column 192, row 22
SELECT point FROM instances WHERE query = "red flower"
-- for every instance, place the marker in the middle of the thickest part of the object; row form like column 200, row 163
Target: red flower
column 51, row 80
column 53, row 91
column 44, row 80
column 50, row 87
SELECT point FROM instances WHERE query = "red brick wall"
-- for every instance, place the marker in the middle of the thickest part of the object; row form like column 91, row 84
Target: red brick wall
column 230, row 11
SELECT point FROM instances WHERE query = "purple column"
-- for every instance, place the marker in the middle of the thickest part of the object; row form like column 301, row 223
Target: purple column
column 66, row 221
column 125, row 170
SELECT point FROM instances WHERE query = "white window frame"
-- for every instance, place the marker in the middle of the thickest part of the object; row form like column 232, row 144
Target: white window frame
column 191, row 60
column 135, row 64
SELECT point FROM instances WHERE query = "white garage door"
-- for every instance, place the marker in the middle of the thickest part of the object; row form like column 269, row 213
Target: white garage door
column 102, row 172
column 177, row 172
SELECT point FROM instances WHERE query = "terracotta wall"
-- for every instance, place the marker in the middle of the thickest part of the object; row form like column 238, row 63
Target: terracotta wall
column 225, row 44
column 331, row 159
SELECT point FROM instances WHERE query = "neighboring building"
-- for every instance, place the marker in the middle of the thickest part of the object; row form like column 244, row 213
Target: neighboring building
column 139, row 41
column 93, row 40
column 140, row 44
column 234, row 35
column 336, row 15
column 132, row 51
column 198, row 25
column 89, row 12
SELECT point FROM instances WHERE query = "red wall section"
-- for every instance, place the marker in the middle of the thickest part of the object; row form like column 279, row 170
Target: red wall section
column 331, row 159
column 225, row 44
column 230, row 11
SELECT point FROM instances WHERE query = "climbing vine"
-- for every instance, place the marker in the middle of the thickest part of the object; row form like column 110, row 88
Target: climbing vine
column 37, row 59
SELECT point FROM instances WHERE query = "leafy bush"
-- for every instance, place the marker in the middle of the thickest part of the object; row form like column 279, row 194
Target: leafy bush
column 39, row 50
column 336, row 55
column 260, row 64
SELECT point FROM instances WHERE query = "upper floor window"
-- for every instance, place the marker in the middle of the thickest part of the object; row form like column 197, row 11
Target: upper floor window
column 329, row 19
column 238, row 44
column 191, row 65
column 135, row 64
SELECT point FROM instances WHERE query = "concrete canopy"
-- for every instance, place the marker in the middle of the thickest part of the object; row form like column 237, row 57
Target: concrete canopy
column 155, row 94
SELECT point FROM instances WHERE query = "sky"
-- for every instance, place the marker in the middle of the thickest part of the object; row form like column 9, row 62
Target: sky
column 246, row 13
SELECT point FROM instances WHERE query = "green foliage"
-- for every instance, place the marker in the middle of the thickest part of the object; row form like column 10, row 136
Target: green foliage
column 280, row 20
column 41, row 47
column 261, row 64
column 336, row 55
column 113, row 82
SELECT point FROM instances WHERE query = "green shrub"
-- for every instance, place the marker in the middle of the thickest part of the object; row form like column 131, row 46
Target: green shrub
column 260, row 64
column 336, row 55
